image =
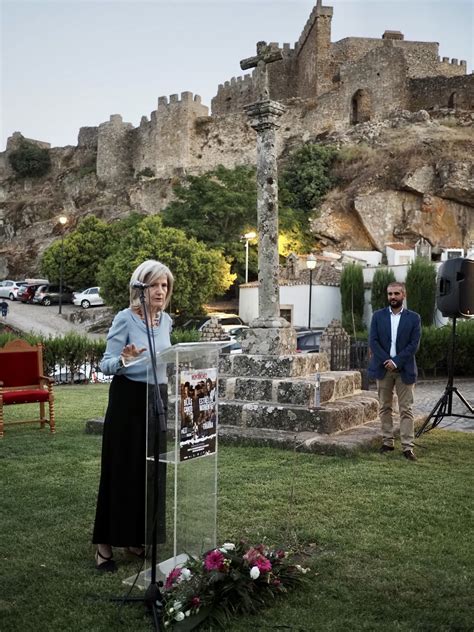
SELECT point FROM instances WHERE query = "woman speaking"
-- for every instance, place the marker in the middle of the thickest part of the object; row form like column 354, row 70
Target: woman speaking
column 120, row 513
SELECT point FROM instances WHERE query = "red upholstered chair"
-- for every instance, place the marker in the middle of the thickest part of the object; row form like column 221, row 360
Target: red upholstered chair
column 22, row 381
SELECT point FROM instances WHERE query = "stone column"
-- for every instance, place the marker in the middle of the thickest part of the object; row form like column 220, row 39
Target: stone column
column 269, row 334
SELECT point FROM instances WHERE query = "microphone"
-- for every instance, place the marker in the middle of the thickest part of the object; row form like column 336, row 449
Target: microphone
column 138, row 285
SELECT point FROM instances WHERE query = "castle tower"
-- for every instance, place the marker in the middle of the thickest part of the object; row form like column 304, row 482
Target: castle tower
column 313, row 51
column 113, row 150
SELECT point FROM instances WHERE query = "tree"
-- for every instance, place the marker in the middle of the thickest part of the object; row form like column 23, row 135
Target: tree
column 200, row 272
column 306, row 178
column 30, row 160
column 84, row 249
column 220, row 206
column 421, row 289
column 352, row 298
column 382, row 277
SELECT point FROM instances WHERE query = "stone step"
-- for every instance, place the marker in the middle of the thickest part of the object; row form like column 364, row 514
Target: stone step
column 297, row 365
column 330, row 418
column 300, row 390
column 366, row 436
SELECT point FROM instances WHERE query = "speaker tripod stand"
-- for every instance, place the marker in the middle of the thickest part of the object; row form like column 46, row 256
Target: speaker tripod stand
column 444, row 406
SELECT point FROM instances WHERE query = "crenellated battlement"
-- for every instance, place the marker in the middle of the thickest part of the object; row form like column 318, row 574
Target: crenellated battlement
column 453, row 62
column 187, row 99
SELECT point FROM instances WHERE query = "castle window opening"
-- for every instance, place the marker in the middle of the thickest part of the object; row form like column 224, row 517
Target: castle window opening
column 361, row 107
column 452, row 102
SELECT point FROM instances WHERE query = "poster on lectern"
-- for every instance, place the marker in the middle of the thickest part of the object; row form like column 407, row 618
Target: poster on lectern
column 198, row 417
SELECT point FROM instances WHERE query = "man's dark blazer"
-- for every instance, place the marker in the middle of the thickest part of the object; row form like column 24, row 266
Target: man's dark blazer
column 407, row 343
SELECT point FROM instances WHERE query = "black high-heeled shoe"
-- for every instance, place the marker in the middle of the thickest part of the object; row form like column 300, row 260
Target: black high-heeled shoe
column 107, row 566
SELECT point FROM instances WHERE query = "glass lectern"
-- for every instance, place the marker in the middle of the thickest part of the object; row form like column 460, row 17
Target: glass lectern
column 181, row 463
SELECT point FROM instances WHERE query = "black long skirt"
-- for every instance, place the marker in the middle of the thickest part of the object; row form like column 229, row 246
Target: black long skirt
column 120, row 513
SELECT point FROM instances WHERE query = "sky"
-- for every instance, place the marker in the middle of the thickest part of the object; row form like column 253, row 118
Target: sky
column 72, row 63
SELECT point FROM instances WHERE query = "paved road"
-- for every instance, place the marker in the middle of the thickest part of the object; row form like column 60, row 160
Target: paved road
column 43, row 320
column 428, row 392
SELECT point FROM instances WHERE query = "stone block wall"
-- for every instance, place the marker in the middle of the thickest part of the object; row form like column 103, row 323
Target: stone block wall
column 314, row 54
column 113, row 150
column 88, row 137
column 441, row 92
column 164, row 142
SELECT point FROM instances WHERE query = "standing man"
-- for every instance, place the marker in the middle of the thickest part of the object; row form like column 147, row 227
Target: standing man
column 394, row 339
column 4, row 308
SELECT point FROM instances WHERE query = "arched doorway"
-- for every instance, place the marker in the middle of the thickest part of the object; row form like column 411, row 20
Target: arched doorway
column 361, row 107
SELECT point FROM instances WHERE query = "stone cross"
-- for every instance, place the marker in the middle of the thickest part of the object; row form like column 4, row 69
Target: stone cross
column 266, row 54
column 269, row 334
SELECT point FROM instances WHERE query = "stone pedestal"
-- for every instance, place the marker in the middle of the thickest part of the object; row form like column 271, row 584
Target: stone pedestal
column 276, row 340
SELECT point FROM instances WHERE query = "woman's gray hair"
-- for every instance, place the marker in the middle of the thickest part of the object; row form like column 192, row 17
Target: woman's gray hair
column 149, row 272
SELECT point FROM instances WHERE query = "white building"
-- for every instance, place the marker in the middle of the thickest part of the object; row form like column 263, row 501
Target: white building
column 295, row 294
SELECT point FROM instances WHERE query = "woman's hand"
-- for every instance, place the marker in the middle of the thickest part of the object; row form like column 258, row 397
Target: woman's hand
column 131, row 352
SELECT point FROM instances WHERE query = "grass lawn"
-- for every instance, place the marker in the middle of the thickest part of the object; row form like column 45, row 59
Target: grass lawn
column 393, row 539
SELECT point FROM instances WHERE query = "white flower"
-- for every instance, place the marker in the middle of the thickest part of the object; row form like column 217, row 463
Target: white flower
column 228, row 546
column 302, row 570
column 177, row 605
column 179, row 616
column 186, row 574
column 254, row 572
column 187, row 613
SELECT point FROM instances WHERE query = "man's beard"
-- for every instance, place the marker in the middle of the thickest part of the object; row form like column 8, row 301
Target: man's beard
column 396, row 303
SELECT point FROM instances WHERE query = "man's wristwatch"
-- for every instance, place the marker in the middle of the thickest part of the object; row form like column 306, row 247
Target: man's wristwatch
column 121, row 363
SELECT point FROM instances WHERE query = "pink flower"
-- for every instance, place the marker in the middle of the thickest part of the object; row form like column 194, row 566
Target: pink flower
column 251, row 556
column 172, row 577
column 263, row 564
column 214, row 561
column 195, row 601
column 255, row 558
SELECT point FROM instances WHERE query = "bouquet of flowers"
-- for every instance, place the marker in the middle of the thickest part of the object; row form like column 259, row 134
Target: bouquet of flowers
column 224, row 582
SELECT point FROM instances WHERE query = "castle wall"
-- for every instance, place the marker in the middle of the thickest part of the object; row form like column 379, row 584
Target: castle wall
column 164, row 142
column 434, row 92
column 314, row 54
column 381, row 75
column 233, row 95
column 88, row 137
column 113, row 150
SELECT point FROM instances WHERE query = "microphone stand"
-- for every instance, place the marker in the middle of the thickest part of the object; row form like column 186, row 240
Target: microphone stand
column 153, row 598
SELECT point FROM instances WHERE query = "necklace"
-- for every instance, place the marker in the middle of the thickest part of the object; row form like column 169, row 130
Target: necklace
column 155, row 320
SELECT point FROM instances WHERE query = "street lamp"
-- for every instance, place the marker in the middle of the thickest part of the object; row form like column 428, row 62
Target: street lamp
column 248, row 237
column 310, row 264
column 63, row 222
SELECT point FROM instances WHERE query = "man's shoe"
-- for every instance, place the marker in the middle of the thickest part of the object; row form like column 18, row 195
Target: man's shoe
column 386, row 448
column 409, row 454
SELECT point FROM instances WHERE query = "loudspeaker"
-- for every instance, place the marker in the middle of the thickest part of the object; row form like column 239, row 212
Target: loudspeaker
column 455, row 288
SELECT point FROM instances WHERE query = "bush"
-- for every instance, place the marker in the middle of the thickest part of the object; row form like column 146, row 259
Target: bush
column 382, row 277
column 435, row 349
column 29, row 160
column 421, row 289
column 184, row 335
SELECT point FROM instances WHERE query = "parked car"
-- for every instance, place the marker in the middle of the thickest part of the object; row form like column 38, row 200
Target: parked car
column 228, row 321
column 26, row 292
column 89, row 297
column 308, row 341
column 49, row 294
column 9, row 289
